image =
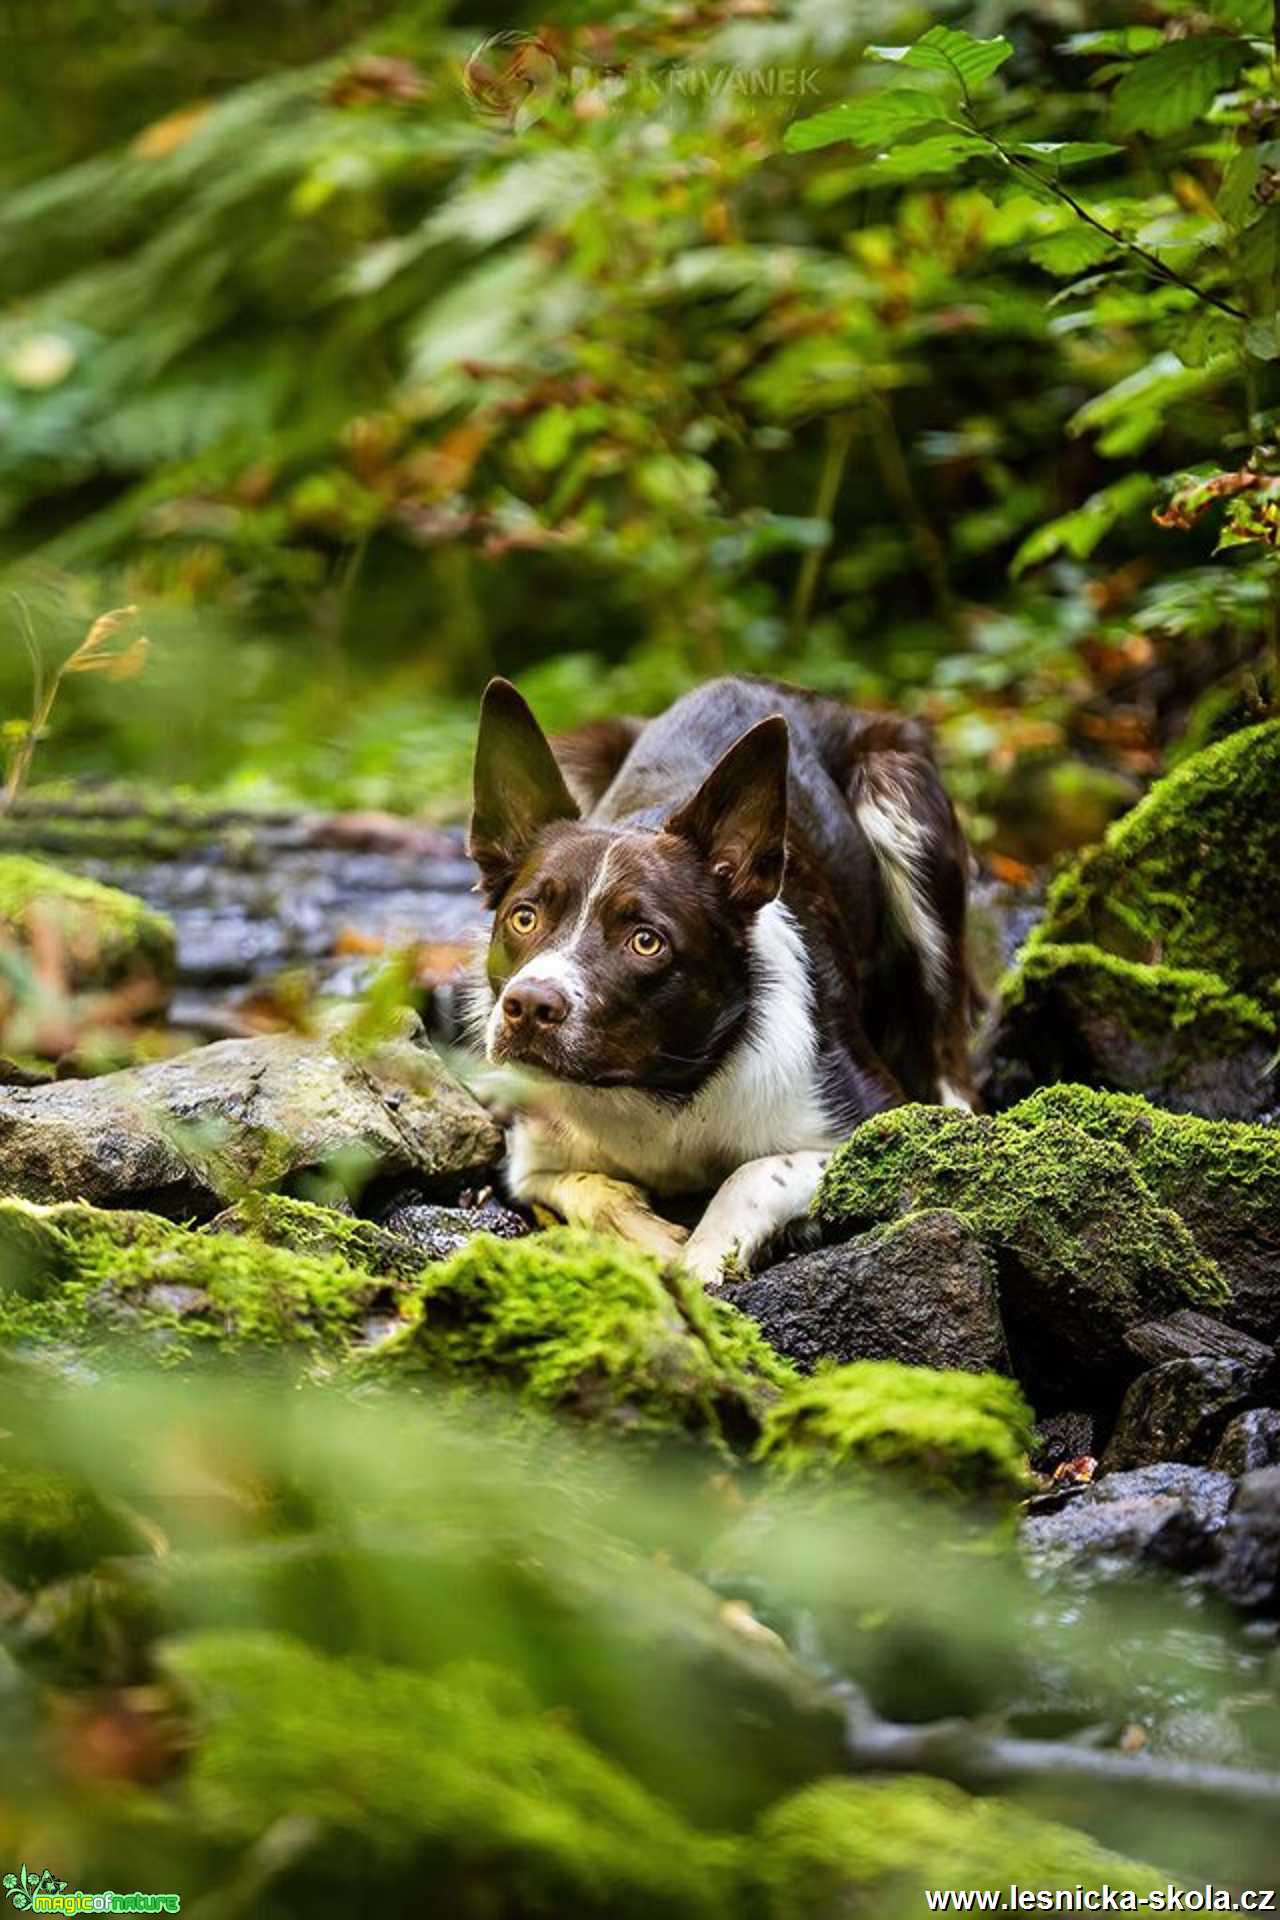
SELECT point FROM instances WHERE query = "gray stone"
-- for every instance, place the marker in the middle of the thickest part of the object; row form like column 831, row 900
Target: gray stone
column 189, row 1135
column 1248, row 1570
column 436, row 1232
column 1177, row 1411
column 920, row 1290
column 1167, row 1514
column 1188, row 1335
column 1252, row 1440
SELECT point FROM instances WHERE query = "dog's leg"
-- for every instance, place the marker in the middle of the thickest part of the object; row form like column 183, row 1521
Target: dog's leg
column 753, row 1203
column 606, row 1206
column 594, row 1200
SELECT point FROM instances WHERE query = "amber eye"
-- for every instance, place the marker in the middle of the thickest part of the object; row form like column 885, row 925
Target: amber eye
column 522, row 920
column 646, row 943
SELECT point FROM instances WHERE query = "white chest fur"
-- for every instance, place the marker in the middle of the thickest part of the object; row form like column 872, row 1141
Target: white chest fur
column 763, row 1100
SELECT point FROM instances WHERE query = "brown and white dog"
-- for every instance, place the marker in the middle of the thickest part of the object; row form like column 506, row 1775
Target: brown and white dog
column 720, row 940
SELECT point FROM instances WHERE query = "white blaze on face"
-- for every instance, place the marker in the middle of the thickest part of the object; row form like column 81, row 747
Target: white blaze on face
column 560, row 965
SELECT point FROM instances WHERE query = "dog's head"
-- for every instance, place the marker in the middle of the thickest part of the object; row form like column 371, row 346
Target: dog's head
column 619, row 955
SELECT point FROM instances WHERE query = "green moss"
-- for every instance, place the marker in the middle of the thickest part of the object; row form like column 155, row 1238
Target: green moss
column 300, row 1226
column 1182, row 880
column 966, row 1433
column 51, row 1526
column 1154, row 1002
column 108, row 936
column 76, row 1275
column 1171, row 1151
column 873, row 1847
column 1068, row 1202
column 593, row 1327
column 454, row 1781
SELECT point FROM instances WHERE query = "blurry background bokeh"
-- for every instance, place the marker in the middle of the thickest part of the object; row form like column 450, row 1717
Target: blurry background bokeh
column 362, row 393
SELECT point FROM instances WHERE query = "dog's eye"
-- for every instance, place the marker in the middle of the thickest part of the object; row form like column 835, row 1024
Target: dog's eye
column 522, row 919
column 646, row 943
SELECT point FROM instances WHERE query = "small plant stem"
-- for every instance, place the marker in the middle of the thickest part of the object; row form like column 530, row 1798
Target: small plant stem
column 840, row 430
column 1151, row 261
column 897, row 480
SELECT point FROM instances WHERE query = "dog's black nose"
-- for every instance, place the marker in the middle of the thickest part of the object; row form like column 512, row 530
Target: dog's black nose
column 535, row 1003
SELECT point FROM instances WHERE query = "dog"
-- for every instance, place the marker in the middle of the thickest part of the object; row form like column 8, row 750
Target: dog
column 720, row 940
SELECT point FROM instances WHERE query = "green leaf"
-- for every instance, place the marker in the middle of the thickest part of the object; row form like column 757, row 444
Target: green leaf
column 1057, row 154
column 1071, row 251
column 1204, row 336
column 938, row 154
column 1078, row 533
column 1114, row 40
column 875, row 121
column 1258, row 255
column 1128, row 414
column 1262, row 338
column 1169, row 89
column 1235, row 202
column 1250, row 16
column 947, row 50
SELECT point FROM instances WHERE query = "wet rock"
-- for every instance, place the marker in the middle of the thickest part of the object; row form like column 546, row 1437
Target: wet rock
column 1083, row 1249
column 1168, row 1514
column 435, row 1232
column 1177, row 1411
column 1155, row 967
column 1220, row 1178
column 1248, row 1570
column 1062, row 1436
column 1187, row 1335
column 188, row 1135
column 1252, row 1440
column 920, row 1290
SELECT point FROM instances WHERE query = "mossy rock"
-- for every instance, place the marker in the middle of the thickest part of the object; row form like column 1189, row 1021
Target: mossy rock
column 1084, row 1249
column 52, row 1526
column 873, row 1847
column 106, row 938
column 592, row 1327
column 1156, row 968
column 1220, row 1177
column 85, row 1279
column 300, row 1226
column 454, row 1781
column 953, row 1433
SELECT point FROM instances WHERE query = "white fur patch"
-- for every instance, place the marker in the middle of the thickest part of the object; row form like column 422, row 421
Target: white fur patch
column 752, row 1204
column 951, row 1096
column 899, row 843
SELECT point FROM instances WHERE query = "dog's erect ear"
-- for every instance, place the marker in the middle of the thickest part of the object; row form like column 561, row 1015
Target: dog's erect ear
column 519, row 789
column 738, row 817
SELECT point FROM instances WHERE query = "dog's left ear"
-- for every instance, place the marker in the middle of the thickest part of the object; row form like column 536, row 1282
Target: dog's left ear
column 519, row 788
column 738, row 817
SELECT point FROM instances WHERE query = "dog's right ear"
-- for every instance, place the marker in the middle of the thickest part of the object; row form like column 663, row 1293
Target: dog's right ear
column 519, row 788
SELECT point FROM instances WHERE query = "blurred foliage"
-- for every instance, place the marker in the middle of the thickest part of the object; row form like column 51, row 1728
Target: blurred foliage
column 285, row 1649
column 739, row 353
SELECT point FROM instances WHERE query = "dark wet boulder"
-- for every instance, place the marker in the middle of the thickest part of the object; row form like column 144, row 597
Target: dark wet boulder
column 436, row 1232
column 1248, row 1570
column 920, row 1290
column 1187, row 1335
column 1221, row 1179
column 1168, row 1515
column 324, row 1114
column 1251, row 1440
column 1177, row 1411
column 1156, row 968
column 1083, row 1249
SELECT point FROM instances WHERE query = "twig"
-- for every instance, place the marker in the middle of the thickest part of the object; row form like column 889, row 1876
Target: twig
column 897, row 479
column 839, row 440
column 964, row 1752
column 1151, row 261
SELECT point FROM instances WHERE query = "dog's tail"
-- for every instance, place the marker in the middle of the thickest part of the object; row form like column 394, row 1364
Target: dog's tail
column 899, row 802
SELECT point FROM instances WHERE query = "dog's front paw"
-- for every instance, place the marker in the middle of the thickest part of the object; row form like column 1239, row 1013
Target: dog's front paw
column 712, row 1259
